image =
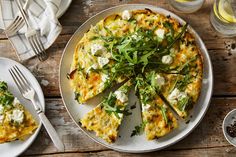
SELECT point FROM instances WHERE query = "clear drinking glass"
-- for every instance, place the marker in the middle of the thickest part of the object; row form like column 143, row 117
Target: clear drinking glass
column 186, row 6
column 223, row 17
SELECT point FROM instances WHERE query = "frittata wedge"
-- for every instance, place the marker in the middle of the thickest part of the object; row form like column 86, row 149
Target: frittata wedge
column 157, row 117
column 106, row 118
column 15, row 121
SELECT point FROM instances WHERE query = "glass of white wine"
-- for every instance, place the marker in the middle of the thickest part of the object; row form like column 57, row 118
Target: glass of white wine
column 223, row 17
column 186, row 6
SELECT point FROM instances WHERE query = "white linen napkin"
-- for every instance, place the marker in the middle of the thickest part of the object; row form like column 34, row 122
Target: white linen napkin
column 42, row 17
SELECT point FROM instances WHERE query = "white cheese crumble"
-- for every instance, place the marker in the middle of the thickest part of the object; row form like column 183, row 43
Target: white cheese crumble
column 167, row 59
column 160, row 33
column 176, row 95
column 102, row 61
column 104, row 77
column 126, row 15
column 16, row 101
column 97, row 49
column 17, row 116
column 120, row 115
column 145, row 107
column 160, row 80
column 1, row 109
column 94, row 66
column 121, row 96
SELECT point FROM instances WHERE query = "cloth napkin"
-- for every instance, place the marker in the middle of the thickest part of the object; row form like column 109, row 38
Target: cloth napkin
column 42, row 17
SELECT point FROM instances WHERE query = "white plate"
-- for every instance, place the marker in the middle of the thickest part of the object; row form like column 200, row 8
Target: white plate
column 125, row 143
column 63, row 7
column 17, row 147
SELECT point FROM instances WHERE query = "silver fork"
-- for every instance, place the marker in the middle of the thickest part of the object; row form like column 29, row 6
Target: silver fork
column 14, row 26
column 28, row 92
column 32, row 36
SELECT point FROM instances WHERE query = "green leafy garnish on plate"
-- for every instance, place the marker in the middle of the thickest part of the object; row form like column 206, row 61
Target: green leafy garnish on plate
column 138, row 130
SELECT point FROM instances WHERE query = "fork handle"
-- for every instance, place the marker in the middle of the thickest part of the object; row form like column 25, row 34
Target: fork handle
column 51, row 132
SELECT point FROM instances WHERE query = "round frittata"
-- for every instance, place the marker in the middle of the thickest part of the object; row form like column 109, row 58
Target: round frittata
column 151, row 51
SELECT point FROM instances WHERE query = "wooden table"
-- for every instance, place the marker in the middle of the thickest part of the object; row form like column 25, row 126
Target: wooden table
column 206, row 140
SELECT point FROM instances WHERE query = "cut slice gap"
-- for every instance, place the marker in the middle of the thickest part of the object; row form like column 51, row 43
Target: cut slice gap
column 181, row 121
column 106, row 118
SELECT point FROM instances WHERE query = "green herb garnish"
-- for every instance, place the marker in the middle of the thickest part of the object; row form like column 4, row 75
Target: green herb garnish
column 6, row 98
column 3, row 86
column 109, row 105
column 163, row 112
column 185, row 104
column 138, row 129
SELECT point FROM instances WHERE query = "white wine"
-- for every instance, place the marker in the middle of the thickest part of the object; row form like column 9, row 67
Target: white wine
column 186, row 6
column 223, row 17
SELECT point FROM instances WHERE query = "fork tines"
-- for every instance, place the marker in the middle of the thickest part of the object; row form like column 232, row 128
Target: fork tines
column 37, row 46
column 14, row 26
column 19, row 79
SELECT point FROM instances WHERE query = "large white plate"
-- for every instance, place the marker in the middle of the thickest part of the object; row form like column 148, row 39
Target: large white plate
column 125, row 143
column 17, row 147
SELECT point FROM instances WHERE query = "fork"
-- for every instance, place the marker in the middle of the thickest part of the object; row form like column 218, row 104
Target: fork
column 14, row 26
column 32, row 36
column 28, row 92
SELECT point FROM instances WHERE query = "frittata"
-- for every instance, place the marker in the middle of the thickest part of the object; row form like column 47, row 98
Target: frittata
column 106, row 118
column 154, row 50
column 15, row 121
column 157, row 118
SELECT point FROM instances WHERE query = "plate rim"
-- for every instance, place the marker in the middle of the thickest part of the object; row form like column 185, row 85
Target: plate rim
column 59, row 14
column 36, row 133
column 208, row 58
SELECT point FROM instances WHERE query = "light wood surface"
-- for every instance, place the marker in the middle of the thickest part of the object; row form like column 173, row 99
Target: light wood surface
column 206, row 140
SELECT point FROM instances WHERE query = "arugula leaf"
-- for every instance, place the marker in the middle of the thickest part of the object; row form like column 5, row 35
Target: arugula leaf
column 138, row 129
column 182, row 84
column 185, row 68
column 3, row 86
column 170, row 27
column 183, row 30
column 146, row 91
column 163, row 112
column 185, row 104
column 109, row 105
column 6, row 98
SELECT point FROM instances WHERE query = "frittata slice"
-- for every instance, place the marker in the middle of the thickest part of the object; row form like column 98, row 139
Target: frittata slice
column 106, row 118
column 157, row 117
column 15, row 121
column 181, row 91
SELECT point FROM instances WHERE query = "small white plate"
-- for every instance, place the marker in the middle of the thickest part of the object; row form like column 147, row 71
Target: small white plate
column 15, row 148
column 63, row 7
column 229, row 119
column 125, row 143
